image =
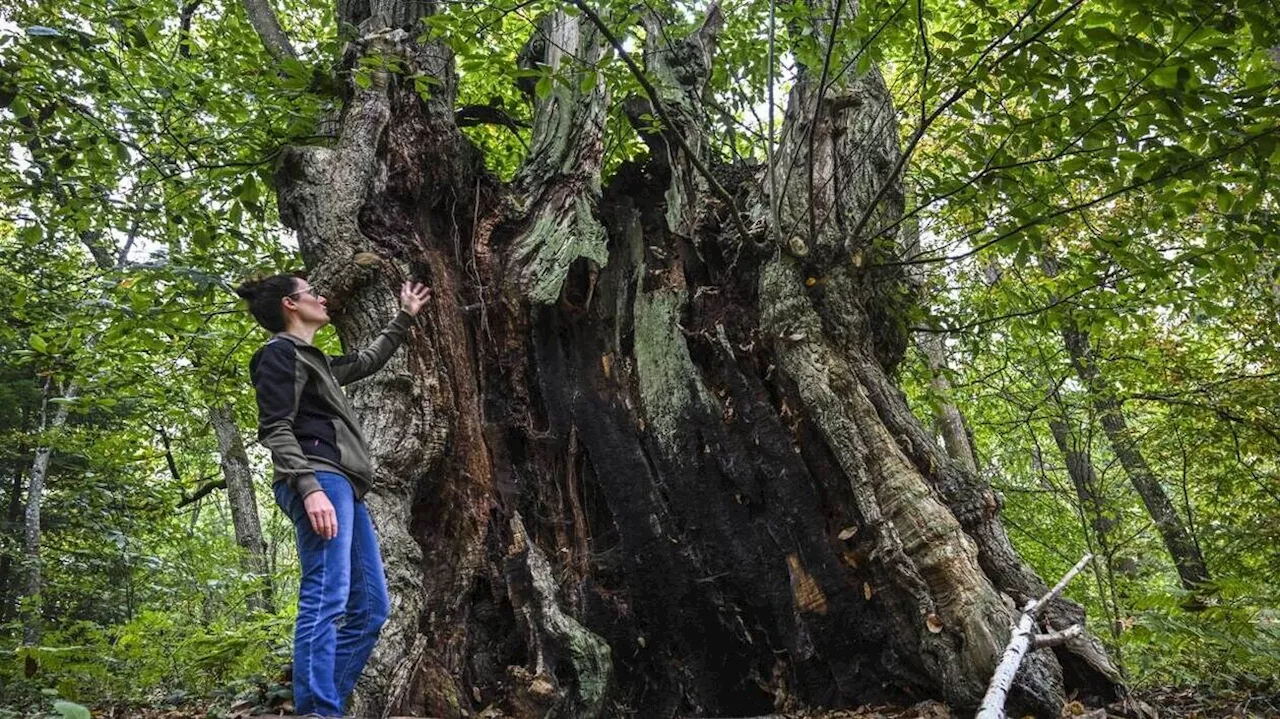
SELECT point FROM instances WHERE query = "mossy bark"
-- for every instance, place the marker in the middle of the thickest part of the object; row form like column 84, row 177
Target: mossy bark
column 630, row 462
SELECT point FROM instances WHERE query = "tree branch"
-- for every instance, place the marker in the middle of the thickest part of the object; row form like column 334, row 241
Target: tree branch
column 1053, row 639
column 1222, row 412
column 184, row 26
column 263, row 19
column 1083, row 205
column 817, row 107
column 1023, row 639
column 955, row 97
column 205, row 488
column 168, row 455
column 470, row 115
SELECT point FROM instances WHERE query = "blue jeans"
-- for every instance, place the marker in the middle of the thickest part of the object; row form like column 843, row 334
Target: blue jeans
column 342, row 598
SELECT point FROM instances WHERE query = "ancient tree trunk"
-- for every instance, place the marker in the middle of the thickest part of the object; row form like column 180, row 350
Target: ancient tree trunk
column 244, row 505
column 1182, row 547
column 632, row 461
column 34, row 580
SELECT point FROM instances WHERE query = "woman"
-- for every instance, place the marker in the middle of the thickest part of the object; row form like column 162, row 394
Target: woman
column 322, row 472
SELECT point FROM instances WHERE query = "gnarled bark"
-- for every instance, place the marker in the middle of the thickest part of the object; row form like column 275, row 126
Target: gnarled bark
column 632, row 462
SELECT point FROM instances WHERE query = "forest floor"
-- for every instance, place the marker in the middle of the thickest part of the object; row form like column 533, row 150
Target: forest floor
column 1167, row 703
column 1195, row 704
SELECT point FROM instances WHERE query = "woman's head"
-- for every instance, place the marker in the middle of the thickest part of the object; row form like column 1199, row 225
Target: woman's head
column 280, row 300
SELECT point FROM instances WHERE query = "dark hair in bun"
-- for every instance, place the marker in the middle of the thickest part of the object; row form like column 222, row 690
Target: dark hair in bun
column 263, row 295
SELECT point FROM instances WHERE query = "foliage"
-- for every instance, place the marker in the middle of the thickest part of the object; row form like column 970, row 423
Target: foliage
column 1126, row 146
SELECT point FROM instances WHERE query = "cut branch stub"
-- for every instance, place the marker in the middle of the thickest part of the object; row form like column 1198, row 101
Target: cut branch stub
column 322, row 190
column 680, row 68
column 844, row 137
column 558, row 186
column 680, row 72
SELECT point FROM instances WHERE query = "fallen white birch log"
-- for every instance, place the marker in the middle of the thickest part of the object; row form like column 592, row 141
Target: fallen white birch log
column 1024, row 638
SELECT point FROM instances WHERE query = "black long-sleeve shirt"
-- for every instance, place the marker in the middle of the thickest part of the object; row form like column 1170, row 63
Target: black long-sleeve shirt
column 305, row 419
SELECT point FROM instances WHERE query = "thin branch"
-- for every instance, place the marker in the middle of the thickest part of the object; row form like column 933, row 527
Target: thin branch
column 263, row 19
column 1063, row 151
column 184, row 26
column 1170, row 174
column 472, row 115
column 1062, row 584
column 207, row 487
column 1053, row 639
column 1221, row 412
column 168, row 455
column 1020, row 642
column 955, row 97
column 1103, row 282
column 928, row 61
column 790, row 128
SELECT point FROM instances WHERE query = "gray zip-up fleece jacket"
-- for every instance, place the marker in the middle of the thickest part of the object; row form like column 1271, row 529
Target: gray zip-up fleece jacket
column 305, row 419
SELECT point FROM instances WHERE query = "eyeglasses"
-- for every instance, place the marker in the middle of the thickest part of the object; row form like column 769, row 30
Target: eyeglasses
column 310, row 290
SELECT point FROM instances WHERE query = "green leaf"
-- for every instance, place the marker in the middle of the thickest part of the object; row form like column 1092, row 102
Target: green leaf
column 1225, row 199
column 71, row 710
column 1166, row 77
column 38, row 344
column 248, row 190
column 543, row 89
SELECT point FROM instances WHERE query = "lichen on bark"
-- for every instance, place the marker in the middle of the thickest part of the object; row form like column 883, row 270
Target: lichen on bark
column 558, row 185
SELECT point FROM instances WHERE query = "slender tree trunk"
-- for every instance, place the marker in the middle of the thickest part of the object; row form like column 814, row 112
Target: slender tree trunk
column 243, row 503
column 1083, row 477
column 1190, row 564
column 1095, row 523
column 32, row 560
column 632, row 461
column 12, row 515
column 951, row 424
